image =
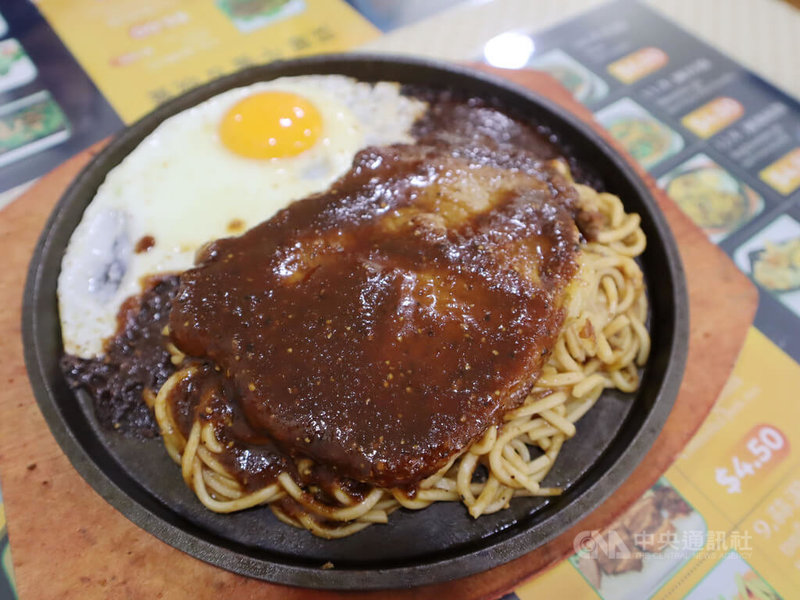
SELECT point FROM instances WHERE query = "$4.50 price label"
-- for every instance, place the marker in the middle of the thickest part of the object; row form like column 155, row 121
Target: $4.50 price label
column 763, row 447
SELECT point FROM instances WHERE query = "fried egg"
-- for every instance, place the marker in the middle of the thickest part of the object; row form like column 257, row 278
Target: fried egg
column 213, row 171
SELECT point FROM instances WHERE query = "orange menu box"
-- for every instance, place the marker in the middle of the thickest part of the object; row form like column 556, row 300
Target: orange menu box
column 784, row 174
column 752, row 457
column 713, row 116
column 642, row 62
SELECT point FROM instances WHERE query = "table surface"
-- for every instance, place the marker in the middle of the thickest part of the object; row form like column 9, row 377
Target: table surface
column 763, row 37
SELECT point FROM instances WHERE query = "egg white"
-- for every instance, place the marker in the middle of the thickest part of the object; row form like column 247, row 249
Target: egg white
column 183, row 187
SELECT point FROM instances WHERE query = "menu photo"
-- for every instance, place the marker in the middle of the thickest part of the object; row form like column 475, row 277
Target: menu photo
column 644, row 548
column 646, row 138
column 583, row 84
column 711, row 196
column 772, row 259
column 29, row 125
column 733, row 579
column 249, row 15
column 16, row 67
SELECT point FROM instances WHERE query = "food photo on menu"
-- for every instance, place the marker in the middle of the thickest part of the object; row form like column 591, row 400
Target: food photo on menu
column 441, row 299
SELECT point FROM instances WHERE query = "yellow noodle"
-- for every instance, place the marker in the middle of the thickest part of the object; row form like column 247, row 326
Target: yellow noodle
column 603, row 339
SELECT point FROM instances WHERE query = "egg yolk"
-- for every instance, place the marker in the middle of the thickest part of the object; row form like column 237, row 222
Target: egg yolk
column 271, row 125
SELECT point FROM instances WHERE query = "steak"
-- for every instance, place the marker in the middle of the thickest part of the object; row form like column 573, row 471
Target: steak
column 382, row 326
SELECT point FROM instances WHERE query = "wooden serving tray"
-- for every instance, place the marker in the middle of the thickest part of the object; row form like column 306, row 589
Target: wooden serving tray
column 67, row 542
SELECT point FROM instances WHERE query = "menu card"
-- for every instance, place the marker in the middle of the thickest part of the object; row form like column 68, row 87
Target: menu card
column 49, row 107
column 724, row 521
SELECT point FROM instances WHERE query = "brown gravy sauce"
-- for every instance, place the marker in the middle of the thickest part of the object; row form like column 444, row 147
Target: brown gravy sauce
column 377, row 328
column 134, row 360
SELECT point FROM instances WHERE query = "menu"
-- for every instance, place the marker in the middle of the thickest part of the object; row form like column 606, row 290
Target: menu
column 49, row 107
column 723, row 523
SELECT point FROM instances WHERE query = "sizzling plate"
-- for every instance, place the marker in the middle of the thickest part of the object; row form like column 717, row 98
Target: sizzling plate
column 417, row 547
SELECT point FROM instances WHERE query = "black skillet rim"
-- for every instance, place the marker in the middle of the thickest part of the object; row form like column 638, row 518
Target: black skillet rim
column 40, row 339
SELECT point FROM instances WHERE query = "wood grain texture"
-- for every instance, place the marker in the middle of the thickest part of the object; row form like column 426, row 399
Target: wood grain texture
column 67, row 542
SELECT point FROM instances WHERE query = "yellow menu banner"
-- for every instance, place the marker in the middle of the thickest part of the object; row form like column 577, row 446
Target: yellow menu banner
column 143, row 52
column 723, row 523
